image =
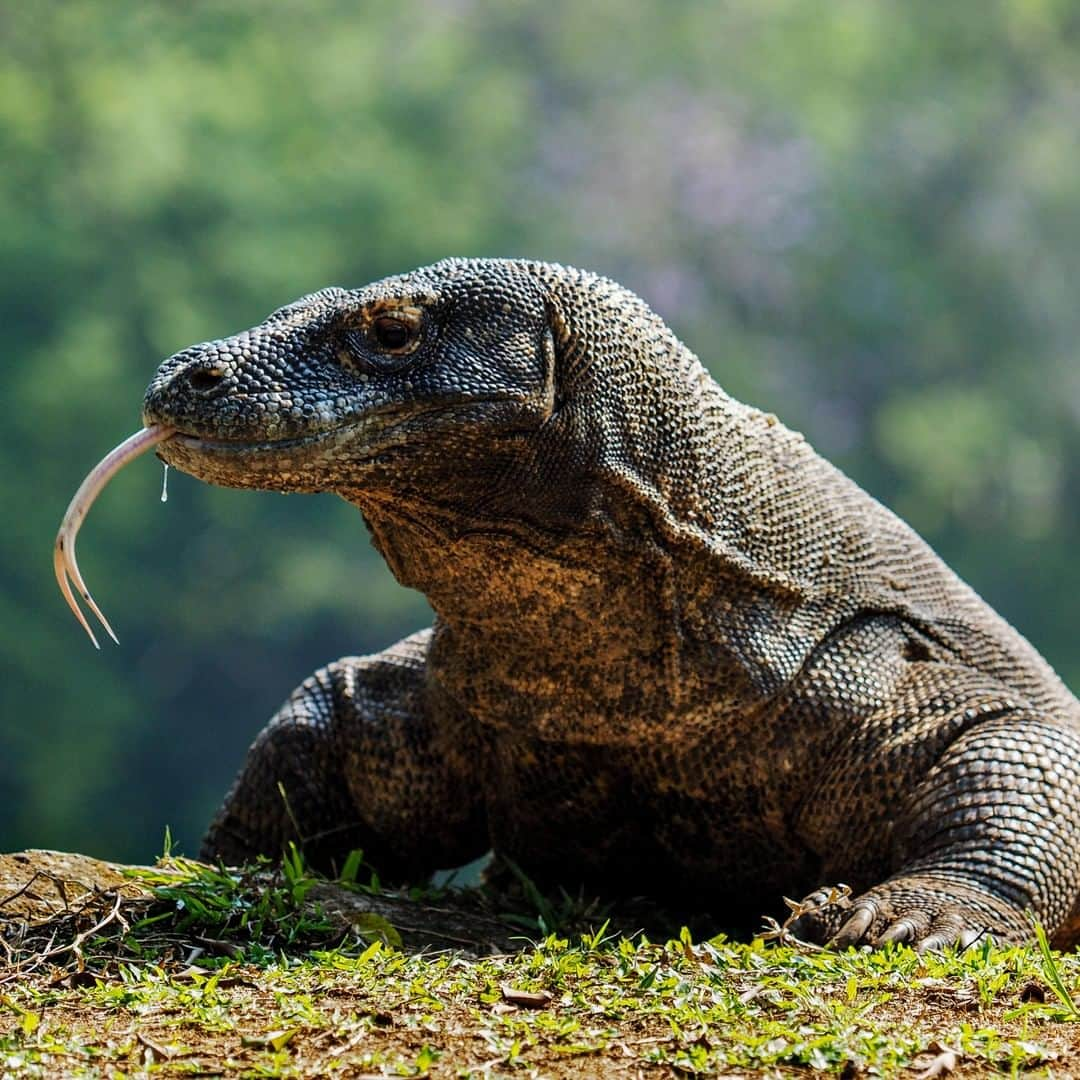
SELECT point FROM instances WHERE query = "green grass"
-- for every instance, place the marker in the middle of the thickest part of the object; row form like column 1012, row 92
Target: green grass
column 283, row 991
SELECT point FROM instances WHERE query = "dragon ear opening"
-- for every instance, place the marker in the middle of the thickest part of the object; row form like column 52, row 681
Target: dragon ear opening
column 558, row 350
column 572, row 358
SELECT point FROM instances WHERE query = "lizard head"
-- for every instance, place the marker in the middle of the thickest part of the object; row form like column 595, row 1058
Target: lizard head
column 413, row 380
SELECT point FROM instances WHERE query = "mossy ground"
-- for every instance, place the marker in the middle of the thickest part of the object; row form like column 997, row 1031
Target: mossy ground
column 213, row 973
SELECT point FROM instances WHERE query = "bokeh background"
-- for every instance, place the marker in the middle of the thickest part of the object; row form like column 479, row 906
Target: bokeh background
column 864, row 216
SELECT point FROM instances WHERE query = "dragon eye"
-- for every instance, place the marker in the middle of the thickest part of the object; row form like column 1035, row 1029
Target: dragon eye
column 392, row 334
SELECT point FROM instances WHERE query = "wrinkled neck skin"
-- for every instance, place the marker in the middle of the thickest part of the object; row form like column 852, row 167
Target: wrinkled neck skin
column 542, row 620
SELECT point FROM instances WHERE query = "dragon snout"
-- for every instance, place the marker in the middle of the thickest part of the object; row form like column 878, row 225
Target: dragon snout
column 188, row 379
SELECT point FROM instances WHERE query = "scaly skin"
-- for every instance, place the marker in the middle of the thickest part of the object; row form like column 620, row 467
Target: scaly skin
column 674, row 648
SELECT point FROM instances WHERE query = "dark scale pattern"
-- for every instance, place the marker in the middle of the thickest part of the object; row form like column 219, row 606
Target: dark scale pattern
column 674, row 648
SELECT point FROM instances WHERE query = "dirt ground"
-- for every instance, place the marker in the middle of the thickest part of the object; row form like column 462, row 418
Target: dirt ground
column 353, row 1037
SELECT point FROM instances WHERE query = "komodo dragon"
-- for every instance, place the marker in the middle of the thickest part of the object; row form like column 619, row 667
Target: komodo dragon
column 674, row 649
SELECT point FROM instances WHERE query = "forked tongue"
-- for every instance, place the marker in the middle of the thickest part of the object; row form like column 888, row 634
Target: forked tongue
column 64, row 563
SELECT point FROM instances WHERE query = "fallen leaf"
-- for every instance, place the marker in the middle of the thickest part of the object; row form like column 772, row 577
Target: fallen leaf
column 527, row 999
column 193, row 971
column 273, row 1040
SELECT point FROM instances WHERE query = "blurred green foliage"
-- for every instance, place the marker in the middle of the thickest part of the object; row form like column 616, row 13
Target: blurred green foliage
column 864, row 217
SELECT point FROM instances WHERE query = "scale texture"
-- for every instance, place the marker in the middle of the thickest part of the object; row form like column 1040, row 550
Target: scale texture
column 675, row 651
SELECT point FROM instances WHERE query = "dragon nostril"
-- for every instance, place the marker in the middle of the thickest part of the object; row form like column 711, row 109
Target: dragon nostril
column 204, row 379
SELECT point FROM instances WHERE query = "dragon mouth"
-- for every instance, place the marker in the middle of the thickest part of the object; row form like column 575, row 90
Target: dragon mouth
column 206, row 444
column 292, row 463
column 379, row 422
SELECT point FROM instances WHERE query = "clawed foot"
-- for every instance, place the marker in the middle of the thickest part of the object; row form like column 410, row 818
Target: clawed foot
column 926, row 913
